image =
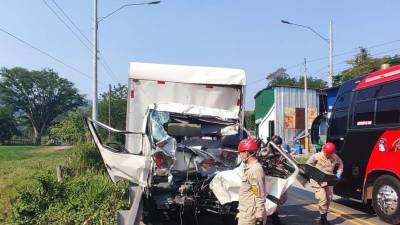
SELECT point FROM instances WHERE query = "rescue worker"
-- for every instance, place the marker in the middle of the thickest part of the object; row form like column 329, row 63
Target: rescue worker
column 275, row 216
column 252, row 193
column 326, row 161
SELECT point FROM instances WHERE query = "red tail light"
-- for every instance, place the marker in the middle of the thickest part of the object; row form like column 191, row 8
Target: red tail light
column 162, row 160
column 239, row 102
column 132, row 93
column 160, row 82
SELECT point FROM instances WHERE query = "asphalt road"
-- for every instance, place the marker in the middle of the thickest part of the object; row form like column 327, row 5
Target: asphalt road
column 302, row 209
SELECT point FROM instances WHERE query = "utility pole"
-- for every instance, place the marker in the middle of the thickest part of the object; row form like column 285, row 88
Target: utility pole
column 306, row 109
column 330, row 77
column 109, row 111
column 96, row 21
column 94, row 101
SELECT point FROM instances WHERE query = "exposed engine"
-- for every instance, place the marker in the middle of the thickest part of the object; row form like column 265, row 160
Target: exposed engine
column 188, row 153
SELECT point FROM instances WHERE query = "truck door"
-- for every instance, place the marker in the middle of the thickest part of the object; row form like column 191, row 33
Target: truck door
column 119, row 162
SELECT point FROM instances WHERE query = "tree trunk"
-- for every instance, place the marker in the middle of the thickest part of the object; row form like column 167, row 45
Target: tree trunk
column 38, row 136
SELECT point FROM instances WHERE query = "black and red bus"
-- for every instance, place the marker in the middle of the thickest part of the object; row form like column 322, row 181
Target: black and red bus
column 364, row 124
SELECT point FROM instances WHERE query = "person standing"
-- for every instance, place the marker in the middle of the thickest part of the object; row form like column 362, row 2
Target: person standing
column 326, row 161
column 252, row 193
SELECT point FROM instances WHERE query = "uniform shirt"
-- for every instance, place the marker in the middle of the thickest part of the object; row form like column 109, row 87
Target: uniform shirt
column 326, row 164
column 252, row 193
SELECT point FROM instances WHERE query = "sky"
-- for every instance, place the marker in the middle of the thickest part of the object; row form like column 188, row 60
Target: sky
column 236, row 33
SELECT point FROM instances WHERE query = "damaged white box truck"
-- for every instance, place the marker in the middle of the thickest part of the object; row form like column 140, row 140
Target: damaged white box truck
column 183, row 126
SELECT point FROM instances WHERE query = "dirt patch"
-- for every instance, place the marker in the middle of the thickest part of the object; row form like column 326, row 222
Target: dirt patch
column 59, row 148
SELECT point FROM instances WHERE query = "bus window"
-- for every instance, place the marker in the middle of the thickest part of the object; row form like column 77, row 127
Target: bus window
column 364, row 113
column 388, row 110
column 368, row 93
column 390, row 88
column 338, row 124
column 343, row 101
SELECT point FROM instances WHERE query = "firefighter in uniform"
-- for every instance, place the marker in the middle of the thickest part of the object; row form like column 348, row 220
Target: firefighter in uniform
column 252, row 193
column 326, row 161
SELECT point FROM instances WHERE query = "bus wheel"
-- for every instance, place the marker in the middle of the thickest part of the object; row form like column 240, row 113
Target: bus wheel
column 385, row 199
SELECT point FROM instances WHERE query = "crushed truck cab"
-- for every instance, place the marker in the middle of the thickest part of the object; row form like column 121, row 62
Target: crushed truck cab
column 184, row 124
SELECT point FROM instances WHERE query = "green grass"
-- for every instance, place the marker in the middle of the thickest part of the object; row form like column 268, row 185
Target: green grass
column 18, row 166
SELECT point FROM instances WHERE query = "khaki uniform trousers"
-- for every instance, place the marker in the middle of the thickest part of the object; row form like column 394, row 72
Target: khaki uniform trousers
column 324, row 196
column 247, row 217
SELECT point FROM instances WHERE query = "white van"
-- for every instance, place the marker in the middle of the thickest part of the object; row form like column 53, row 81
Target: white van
column 184, row 124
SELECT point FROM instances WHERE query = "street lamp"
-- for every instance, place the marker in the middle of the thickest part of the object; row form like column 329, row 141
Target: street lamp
column 96, row 20
column 330, row 73
column 328, row 41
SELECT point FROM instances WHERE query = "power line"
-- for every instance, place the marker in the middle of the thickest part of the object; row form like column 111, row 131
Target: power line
column 103, row 61
column 72, row 22
column 45, row 53
column 106, row 68
column 348, row 67
column 343, row 53
column 66, row 25
column 343, row 62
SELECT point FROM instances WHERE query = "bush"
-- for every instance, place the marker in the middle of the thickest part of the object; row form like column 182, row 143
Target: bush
column 72, row 129
column 85, row 157
column 90, row 198
column 87, row 195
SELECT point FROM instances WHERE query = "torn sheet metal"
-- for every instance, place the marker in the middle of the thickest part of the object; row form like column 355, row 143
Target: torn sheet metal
column 226, row 187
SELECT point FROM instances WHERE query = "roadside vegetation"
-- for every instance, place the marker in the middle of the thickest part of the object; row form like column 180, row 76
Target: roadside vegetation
column 36, row 104
column 31, row 193
column 18, row 166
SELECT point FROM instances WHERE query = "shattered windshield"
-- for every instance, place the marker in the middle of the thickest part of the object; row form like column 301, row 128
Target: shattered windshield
column 187, row 144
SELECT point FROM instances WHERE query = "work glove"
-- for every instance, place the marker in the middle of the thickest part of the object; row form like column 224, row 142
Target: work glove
column 338, row 175
column 259, row 221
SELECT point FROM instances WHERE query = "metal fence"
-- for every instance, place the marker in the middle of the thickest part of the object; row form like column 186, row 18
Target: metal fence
column 25, row 141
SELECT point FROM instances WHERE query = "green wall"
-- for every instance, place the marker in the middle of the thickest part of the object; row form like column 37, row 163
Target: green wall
column 264, row 101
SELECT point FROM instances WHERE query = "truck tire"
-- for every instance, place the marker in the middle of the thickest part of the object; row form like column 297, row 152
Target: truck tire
column 385, row 199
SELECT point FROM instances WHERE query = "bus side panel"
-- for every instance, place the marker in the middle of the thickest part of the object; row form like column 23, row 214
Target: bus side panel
column 386, row 153
column 355, row 153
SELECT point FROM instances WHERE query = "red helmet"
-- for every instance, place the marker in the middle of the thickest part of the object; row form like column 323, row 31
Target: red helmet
column 329, row 148
column 248, row 144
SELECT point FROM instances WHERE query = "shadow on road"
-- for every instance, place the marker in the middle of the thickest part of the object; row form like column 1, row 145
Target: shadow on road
column 366, row 211
column 299, row 215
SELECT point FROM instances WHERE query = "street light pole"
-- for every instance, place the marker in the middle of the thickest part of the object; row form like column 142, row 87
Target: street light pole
column 94, row 101
column 96, row 21
column 328, row 41
column 330, row 76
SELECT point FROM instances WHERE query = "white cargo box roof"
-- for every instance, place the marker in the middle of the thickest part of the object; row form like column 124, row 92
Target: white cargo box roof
column 187, row 74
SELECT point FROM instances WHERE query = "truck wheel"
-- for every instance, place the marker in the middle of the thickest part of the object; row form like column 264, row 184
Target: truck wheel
column 385, row 199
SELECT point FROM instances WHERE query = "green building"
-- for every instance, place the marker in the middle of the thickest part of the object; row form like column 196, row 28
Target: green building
column 279, row 110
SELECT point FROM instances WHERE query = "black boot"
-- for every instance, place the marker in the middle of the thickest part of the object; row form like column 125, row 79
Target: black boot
column 275, row 219
column 324, row 220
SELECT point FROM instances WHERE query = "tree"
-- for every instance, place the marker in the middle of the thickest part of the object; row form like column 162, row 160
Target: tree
column 8, row 126
column 363, row 63
column 40, row 96
column 72, row 129
column 119, row 95
column 280, row 78
column 250, row 120
column 314, row 83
